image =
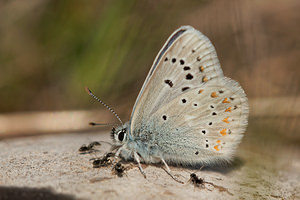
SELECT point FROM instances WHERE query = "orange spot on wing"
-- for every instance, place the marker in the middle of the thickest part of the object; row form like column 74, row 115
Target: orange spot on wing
column 200, row 91
column 225, row 100
column 214, row 95
column 218, row 141
column 216, row 147
column 204, row 79
column 201, row 68
column 226, row 120
column 223, row 132
column 228, row 109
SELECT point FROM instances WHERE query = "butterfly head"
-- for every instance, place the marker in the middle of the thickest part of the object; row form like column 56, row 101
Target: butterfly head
column 120, row 134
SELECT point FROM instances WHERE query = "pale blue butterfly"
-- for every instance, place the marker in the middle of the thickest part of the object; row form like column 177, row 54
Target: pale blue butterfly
column 187, row 112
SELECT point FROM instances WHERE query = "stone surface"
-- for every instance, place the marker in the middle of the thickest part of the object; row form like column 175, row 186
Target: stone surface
column 50, row 167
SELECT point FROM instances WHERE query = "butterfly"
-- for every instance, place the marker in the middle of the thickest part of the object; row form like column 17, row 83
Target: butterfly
column 187, row 111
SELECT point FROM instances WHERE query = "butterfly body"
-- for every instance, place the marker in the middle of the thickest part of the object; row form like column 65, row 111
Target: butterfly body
column 187, row 112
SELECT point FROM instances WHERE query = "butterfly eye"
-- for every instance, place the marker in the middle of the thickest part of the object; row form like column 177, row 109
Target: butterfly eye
column 121, row 135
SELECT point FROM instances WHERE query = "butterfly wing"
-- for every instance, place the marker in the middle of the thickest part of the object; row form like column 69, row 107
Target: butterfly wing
column 192, row 113
column 206, row 126
column 187, row 60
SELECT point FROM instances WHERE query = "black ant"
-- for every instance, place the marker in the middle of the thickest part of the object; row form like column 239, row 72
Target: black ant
column 88, row 149
column 196, row 181
column 119, row 169
column 104, row 161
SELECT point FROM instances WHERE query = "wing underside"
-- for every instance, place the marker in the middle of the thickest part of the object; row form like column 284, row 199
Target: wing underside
column 195, row 113
column 203, row 125
column 187, row 60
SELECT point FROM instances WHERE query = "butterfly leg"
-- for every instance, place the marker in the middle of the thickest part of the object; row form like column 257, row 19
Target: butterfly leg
column 201, row 167
column 116, row 157
column 169, row 172
column 137, row 159
column 118, row 153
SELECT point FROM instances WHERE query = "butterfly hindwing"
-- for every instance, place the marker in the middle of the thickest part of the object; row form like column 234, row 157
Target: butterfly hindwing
column 206, row 126
column 187, row 61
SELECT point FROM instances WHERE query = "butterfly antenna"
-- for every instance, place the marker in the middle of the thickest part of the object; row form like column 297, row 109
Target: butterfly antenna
column 102, row 124
column 104, row 104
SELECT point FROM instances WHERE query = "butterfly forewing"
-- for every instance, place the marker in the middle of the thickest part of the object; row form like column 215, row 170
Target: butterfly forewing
column 188, row 60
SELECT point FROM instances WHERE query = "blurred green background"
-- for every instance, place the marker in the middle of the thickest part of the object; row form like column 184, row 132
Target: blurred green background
column 50, row 50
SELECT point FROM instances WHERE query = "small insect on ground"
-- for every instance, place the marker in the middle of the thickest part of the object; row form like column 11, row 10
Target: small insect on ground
column 107, row 159
column 199, row 182
column 88, row 149
column 119, row 169
column 196, row 181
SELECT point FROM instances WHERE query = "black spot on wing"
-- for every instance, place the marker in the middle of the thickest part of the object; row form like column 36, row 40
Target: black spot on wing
column 186, row 68
column 169, row 82
column 189, row 76
column 185, row 88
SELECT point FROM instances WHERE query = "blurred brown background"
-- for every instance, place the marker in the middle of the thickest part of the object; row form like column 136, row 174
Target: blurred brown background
column 50, row 50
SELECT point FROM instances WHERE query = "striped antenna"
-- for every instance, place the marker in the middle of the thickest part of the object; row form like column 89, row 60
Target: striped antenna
column 102, row 124
column 104, row 104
